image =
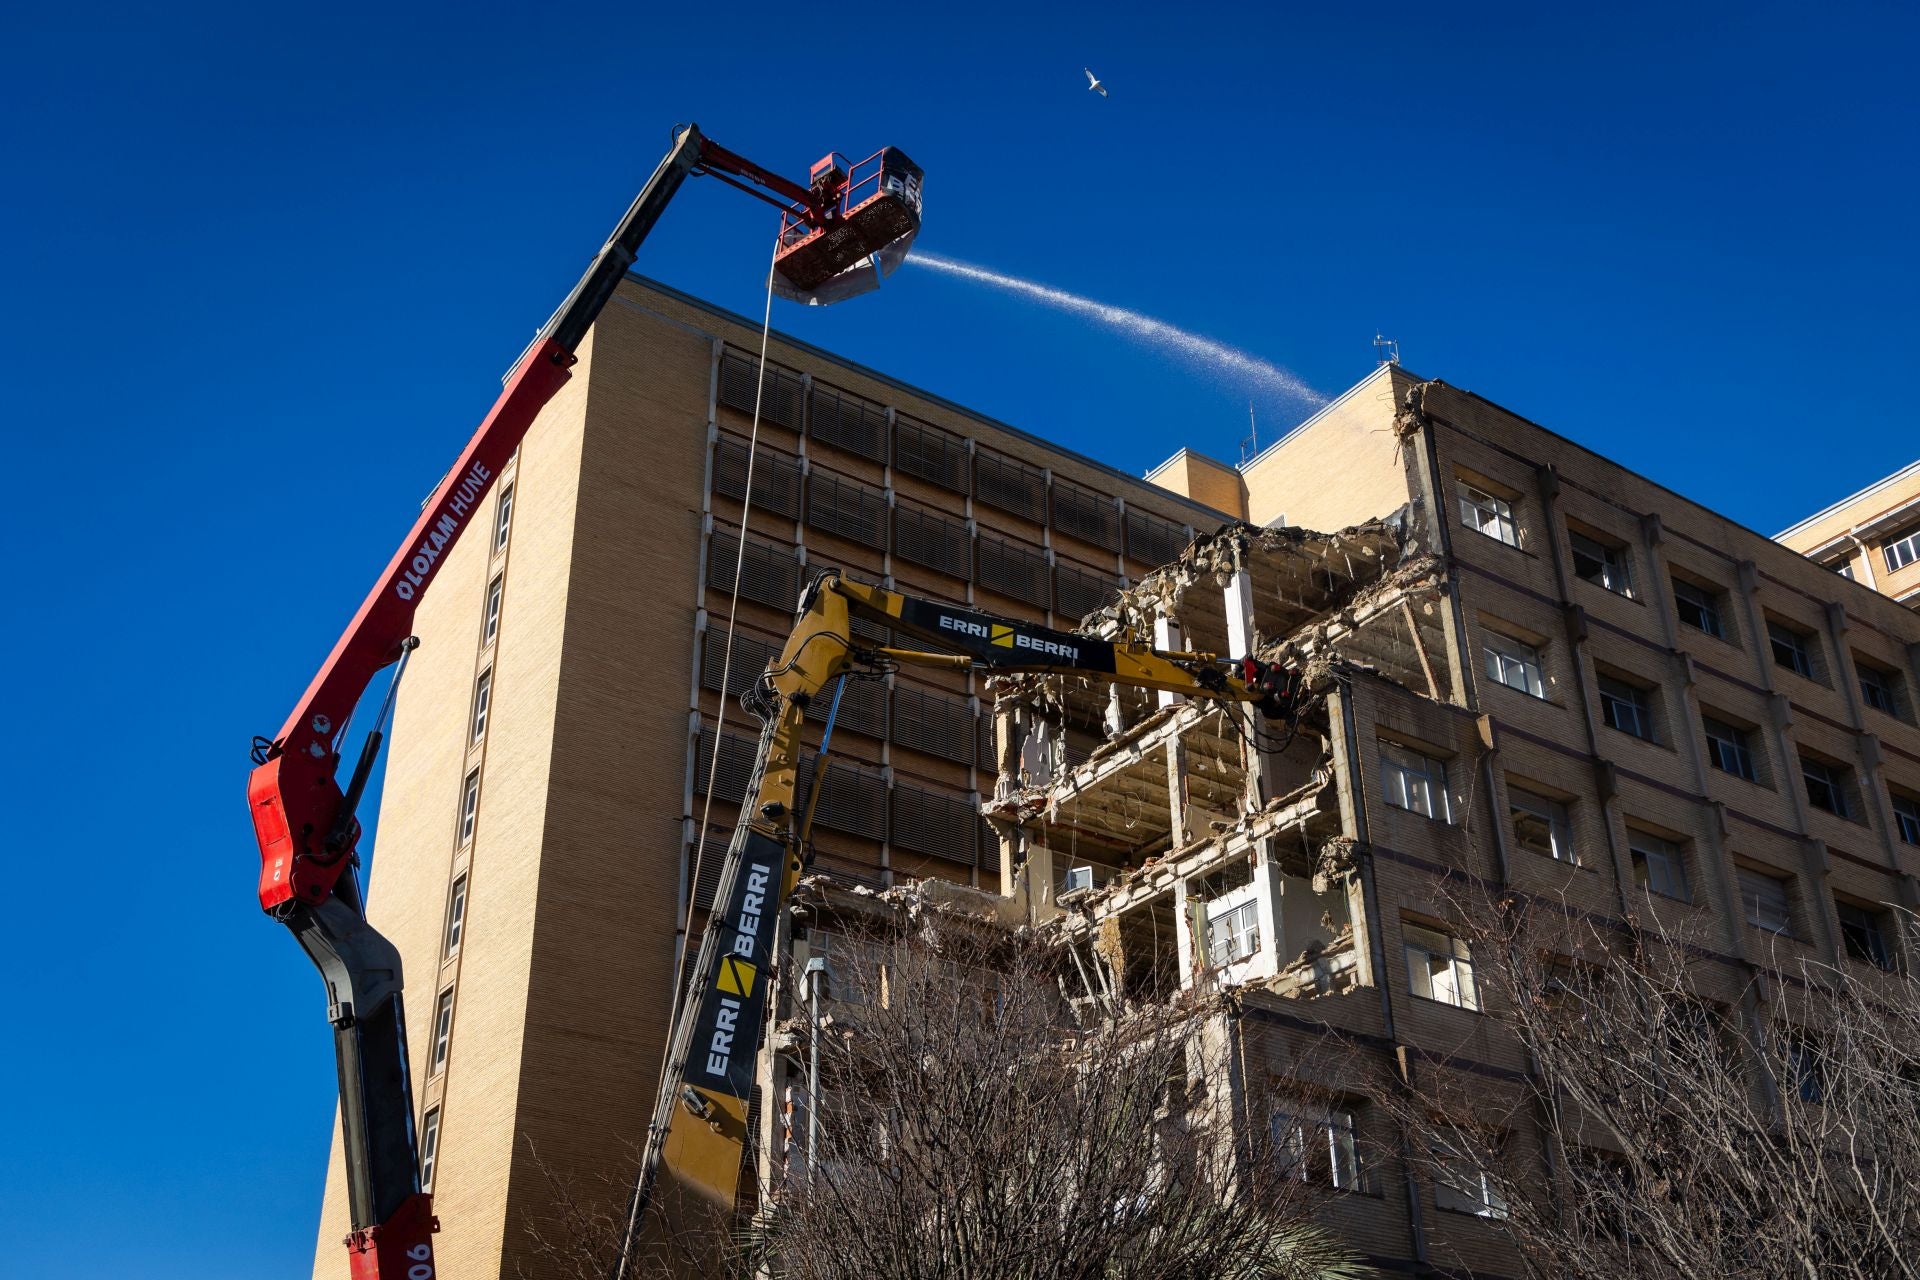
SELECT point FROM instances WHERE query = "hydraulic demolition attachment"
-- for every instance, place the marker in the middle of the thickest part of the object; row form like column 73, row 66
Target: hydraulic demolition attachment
column 699, row 1130
column 838, row 234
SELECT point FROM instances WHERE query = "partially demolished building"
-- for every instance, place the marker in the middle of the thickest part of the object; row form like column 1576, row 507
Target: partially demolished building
column 1526, row 669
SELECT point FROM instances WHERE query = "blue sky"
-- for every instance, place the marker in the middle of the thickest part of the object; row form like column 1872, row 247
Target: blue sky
column 264, row 264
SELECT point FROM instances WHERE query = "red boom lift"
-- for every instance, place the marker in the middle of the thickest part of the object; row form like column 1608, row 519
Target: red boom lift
column 838, row 234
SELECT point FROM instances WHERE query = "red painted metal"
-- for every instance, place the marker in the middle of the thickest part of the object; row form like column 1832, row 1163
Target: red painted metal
column 401, row 1248
column 293, row 796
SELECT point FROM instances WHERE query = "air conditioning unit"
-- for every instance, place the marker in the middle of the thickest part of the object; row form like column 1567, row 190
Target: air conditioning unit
column 1078, row 878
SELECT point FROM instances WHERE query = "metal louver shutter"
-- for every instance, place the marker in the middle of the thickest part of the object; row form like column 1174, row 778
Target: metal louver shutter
column 863, row 708
column 848, row 422
column 847, row 509
column 853, row 802
column 937, row 725
column 751, row 654
column 1086, row 513
column 936, row 823
column 707, row 875
column 936, row 541
column 732, row 774
column 930, row 453
column 768, row 574
column 1154, row 540
column 1014, row 570
column 783, row 401
column 1010, row 485
column 776, row 477
column 984, row 732
column 1081, row 591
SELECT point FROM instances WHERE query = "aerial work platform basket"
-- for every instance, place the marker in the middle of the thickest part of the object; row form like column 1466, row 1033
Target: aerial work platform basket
column 862, row 220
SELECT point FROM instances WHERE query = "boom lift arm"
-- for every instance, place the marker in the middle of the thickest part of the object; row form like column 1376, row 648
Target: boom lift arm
column 698, row 1134
column 305, row 822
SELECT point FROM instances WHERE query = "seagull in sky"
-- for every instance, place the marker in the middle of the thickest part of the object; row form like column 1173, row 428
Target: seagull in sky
column 1093, row 83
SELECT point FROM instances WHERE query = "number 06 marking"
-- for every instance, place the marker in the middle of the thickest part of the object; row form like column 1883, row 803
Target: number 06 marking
column 422, row 1268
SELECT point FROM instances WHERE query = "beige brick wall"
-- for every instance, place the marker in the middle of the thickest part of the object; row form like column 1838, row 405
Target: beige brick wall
column 1338, row 468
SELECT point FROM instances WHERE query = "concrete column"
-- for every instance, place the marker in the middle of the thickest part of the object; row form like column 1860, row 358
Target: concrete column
column 1241, row 638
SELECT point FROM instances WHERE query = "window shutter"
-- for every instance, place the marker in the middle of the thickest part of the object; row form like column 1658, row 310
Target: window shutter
column 1086, row 513
column 1081, row 591
column 751, row 654
column 936, row 823
column 853, row 801
column 776, row 477
column 1153, row 540
column 769, row 574
column 784, row 397
column 930, row 722
column 936, row 541
column 848, row 422
column 1009, row 484
column 847, row 509
column 1014, row 569
column 930, row 453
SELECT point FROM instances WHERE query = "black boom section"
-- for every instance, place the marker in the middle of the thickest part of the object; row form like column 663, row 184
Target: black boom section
column 726, row 1028
column 1001, row 642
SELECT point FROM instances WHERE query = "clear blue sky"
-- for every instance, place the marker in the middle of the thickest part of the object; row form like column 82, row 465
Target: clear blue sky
column 264, row 264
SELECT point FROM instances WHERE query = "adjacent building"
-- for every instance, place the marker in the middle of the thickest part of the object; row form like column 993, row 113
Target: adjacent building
column 1525, row 663
column 1872, row 537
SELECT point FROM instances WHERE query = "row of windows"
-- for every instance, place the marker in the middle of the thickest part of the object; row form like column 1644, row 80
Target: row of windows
column 1697, row 604
column 1417, row 782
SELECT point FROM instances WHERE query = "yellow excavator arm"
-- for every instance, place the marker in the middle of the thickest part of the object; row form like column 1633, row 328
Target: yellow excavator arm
column 699, row 1131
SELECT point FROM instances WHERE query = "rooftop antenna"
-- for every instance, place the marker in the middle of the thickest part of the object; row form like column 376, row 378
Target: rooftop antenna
column 1386, row 350
column 1251, row 445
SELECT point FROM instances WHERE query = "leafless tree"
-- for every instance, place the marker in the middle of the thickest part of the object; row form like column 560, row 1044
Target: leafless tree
column 1677, row 1116
column 972, row 1122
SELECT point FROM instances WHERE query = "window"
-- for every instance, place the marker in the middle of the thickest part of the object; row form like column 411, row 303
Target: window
column 503, row 522
column 1439, row 967
column 1513, row 663
column 1698, row 608
column 1730, row 749
column 1903, row 551
column 469, row 806
column 1879, row 688
column 1844, row 569
column 482, row 695
column 1603, row 565
column 1826, row 786
column 1659, row 865
column 1414, row 782
column 1461, row 1187
column 456, row 914
column 1861, row 931
column 1624, row 707
column 1790, row 649
column 1234, row 934
column 1540, row 824
column 442, row 1031
column 1906, row 816
column 1316, row 1148
column 1484, row 513
column 491, row 627
column 1765, row 899
column 429, row 1147
column 1806, row 1066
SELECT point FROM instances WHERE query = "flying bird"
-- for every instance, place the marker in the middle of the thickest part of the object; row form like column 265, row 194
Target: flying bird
column 1093, row 83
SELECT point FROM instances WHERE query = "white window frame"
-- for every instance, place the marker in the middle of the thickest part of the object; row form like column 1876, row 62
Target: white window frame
column 1906, row 819
column 1235, row 922
column 503, row 518
column 1543, row 809
column 469, row 808
column 1705, row 602
column 490, row 622
column 1513, row 663
column 1636, row 701
column 1462, row 1187
column 1879, row 690
column 1902, row 552
column 482, row 700
column 1300, row 1139
column 1729, row 742
column 1615, row 563
column 442, row 1032
column 1781, row 637
column 1488, row 514
column 456, row 917
column 1414, row 782
column 429, row 1147
column 1766, row 899
column 1834, row 779
column 1666, row 865
column 1439, row 966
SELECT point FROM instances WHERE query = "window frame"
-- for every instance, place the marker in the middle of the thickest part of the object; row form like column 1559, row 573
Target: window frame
column 1237, row 924
column 490, row 614
column 456, row 917
column 1496, row 510
column 1637, row 699
column 1455, row 959
column 1613, row 560
column 1906, row 818
column 442, row 1032
column 1704, row 601
column 1872, row 946
column 1875, row 679
column 503, row 518
column 482, row 703
column 1736, row 743
column 1472, row 1189
column 1834, row 782
column 1500, row 651
column 1671, row 858
column 1431, row 771
column 1766, row 900
column 1782, row 639
column 429, row 1146
column 1556, row 814
column 1334, row 1136
column 1908, row 547
column 469, row 809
